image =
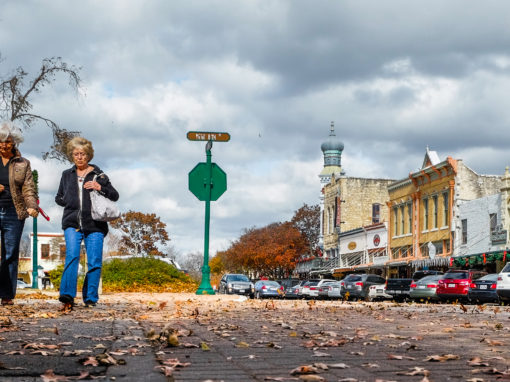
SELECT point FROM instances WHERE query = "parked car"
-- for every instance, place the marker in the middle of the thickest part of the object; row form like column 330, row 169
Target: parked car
column 400, row 288
column 305, row 292
column 292, row 292
column 268, row 288
column 378, row 292
column 288, row 283
column 232, row 283
column 484, row 289
column 314, row 289
column 455, row 284
column 357, row 285
column 334, row 291
column 21, row 284
column 324, row 289
column 503, row 286
column 425, row 288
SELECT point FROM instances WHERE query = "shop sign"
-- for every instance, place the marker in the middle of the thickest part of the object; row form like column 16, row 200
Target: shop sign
column 380, row 260
column 499, row 237
column 352, row 245
column 377, row 240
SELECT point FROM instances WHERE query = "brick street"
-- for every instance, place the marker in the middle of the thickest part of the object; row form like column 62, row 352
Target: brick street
column 183, row 337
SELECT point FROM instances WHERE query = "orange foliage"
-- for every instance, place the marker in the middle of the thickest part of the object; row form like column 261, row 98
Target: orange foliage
column 271, row 251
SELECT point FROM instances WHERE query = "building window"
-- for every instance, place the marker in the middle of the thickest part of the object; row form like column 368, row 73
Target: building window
column 45, row 251
column 376, row 213
column 425, row 214
column 493, row 221
column 446, row 213
column 395, row 221
column 434, row 199
column 410, row 217
column 402, row 220
column 464, row 231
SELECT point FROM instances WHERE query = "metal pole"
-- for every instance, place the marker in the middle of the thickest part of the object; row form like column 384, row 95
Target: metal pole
column 205, row 286
column 35, row 265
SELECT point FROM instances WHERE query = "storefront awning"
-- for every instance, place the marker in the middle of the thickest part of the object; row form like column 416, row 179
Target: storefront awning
column 435, row 262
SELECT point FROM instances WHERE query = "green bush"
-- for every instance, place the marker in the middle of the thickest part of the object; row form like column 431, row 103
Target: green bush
column 137, row 272
column 56, row 276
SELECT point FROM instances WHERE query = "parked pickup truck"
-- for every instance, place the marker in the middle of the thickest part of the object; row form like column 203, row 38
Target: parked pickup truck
column 399, row 288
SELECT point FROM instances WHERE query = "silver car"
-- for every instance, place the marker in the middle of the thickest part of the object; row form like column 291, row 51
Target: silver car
column 425, row 288
column 334, row 290
column 232, row 283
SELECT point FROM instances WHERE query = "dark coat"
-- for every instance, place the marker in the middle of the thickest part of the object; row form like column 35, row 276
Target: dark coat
column 68, row 197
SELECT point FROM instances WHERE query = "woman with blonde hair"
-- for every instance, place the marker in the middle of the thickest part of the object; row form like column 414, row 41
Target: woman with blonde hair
column 74, row 195
column 18, row 200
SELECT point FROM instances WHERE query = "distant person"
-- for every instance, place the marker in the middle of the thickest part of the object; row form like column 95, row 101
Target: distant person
column 18, row 200
column 74, row 195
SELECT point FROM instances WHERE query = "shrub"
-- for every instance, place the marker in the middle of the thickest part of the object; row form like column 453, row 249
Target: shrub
column 144, row 274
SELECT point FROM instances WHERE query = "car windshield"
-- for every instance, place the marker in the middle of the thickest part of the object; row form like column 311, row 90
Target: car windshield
column 429, row 279
column 238, row 278
column 456, row 275
column 506, row 268
column 312, row 283
column 271, row 283
column 353, row 278
column 491, row 277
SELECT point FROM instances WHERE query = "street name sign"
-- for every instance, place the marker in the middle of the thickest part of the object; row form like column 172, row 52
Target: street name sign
column 208, row 136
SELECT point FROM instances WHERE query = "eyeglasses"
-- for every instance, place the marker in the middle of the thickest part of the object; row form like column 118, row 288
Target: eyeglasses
column 79, row 155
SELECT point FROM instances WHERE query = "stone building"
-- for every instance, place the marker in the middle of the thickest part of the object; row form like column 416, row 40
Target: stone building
column 424, row 224
column 351, row 203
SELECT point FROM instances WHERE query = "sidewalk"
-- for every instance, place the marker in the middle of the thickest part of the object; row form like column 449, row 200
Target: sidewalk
column 183, row 337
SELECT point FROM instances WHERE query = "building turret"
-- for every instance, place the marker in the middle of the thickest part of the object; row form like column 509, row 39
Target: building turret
column 332, row 151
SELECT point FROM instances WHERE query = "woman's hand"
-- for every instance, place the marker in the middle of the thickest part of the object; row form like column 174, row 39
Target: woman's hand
column 33, row 212
column 92, row 185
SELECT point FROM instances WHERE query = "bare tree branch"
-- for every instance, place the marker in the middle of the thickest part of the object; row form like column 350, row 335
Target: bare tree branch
column 15, row 100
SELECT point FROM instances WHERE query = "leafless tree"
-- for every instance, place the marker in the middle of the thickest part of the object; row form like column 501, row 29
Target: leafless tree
column 17, row 91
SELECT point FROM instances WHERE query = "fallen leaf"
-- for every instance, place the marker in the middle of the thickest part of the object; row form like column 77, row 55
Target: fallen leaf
column 308, row 369
column 415, row 371
column 441, row 358
column 311, row 378
column 338, row 366
column 204, row 346
column 243, row 344
column 477, row 361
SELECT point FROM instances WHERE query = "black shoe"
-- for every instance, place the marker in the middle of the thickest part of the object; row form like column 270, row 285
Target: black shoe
column 66, row 299
column 89, row 304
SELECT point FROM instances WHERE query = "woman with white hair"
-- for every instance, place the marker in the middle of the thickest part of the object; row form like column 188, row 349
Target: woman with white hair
column 73, row 194
column 18, row 200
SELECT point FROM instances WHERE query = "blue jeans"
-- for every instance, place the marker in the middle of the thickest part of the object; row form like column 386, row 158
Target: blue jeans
column 11, row 230
column 94, row 247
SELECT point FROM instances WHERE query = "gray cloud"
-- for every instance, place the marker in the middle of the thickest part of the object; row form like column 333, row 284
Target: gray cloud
column 394, row 76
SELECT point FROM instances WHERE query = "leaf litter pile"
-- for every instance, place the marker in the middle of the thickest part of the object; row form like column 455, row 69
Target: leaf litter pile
column 208, row 338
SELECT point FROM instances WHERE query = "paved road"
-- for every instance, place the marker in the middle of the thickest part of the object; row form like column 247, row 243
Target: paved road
column 182, row 337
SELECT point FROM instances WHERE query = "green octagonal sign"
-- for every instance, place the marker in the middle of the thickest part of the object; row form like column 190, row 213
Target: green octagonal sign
column 198, row 180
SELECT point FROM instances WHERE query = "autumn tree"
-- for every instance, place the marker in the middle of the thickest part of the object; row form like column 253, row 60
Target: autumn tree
column 141, row 234
column 268, row 251
column 307, row 221
column 192, row 262
column 17, row 91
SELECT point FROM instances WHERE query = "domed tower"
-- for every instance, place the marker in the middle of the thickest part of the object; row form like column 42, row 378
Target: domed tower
column 332, row 151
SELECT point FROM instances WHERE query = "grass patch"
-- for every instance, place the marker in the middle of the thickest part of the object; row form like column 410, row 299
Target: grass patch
column 144, row 275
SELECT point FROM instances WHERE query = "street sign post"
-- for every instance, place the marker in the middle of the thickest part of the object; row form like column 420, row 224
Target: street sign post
column 207, row 181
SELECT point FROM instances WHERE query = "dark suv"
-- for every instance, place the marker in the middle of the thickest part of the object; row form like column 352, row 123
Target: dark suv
column 358, row 285
column 232, row 283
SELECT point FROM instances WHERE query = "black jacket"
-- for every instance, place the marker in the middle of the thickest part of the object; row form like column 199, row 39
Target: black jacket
column 68, row 197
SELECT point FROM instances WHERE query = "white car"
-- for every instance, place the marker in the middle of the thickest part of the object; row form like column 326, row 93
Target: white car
column 21, row 284
column 314, row 289
column 334, row 291
column 378, row 291
column 503, row 286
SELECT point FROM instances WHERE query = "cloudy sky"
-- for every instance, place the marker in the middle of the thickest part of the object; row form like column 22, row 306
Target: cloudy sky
column 395, row 76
